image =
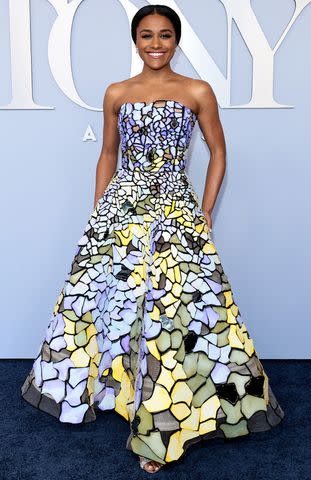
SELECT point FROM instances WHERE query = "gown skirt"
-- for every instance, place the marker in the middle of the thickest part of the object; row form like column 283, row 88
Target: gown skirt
column 146, row 323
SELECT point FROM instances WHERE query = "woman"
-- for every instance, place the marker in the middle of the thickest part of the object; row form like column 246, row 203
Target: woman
column 146, row 323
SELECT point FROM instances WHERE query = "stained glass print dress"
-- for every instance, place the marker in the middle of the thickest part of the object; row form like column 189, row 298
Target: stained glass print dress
column 146, row 323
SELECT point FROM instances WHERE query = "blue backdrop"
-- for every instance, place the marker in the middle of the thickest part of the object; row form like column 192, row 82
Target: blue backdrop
column 261, row 228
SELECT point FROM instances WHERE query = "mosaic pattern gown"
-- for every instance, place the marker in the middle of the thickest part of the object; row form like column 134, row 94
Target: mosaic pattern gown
column 146, row 322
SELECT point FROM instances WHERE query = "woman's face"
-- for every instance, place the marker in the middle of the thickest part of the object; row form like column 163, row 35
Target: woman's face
column 155, row 40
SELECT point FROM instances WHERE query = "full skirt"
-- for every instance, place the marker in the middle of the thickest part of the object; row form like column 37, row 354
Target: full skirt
column 146, row 325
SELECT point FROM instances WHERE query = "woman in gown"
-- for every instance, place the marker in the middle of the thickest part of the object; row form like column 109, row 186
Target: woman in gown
column 146, row 323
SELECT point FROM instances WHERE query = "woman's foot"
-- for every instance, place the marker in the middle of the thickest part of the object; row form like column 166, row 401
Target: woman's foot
column 149, row 465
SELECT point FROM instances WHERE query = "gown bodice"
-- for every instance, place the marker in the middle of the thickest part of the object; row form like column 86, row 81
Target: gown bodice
column 155, row 136
column 154, row 139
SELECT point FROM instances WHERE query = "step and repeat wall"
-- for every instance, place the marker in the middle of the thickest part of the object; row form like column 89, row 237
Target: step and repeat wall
column 57, row 59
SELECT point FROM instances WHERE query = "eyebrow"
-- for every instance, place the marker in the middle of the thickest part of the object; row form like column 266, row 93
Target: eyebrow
column 149, row 30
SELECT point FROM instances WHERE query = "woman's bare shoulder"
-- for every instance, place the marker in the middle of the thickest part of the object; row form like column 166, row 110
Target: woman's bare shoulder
column 117, row 91
column 202, row 89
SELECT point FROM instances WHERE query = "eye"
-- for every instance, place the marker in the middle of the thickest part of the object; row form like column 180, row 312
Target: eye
column 165, row 35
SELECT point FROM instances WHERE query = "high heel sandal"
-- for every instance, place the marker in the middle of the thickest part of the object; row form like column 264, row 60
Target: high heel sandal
column 144, row 460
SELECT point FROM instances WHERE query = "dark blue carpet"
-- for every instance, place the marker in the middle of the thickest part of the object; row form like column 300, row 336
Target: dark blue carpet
column 36, row 446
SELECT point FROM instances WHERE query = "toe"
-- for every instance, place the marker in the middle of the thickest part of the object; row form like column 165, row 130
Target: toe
column 149, row 466
column 152, row 466
column 156, row 466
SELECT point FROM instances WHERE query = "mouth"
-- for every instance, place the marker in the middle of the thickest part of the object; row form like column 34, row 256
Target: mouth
column 155, row 54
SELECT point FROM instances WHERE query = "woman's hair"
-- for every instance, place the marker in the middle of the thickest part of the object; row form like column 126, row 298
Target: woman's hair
column 161, row 10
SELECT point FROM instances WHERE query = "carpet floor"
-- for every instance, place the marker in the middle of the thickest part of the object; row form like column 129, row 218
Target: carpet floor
column 36, row 446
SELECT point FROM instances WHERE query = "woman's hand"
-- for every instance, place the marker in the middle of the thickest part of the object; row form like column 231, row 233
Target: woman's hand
column 208, row 217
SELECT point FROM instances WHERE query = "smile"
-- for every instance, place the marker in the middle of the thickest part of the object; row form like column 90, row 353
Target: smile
column 155, row 54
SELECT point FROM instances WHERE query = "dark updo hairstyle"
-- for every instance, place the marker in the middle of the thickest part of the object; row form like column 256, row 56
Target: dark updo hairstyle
column 161, row 10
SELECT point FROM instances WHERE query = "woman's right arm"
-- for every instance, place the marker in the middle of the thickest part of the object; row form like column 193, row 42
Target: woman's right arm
column 108, row 159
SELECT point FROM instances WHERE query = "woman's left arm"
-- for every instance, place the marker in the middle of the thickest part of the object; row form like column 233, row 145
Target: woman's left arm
column 210, row 125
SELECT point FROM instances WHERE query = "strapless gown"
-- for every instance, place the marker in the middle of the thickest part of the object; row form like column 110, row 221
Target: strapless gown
column 146, row 323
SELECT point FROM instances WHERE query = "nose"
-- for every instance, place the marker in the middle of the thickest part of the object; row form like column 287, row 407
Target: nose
column 155, row 42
